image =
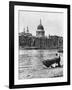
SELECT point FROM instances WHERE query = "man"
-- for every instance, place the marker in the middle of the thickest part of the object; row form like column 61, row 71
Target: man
column 56, row 62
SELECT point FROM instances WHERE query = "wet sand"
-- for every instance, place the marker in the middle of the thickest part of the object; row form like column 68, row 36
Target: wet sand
column 42, row 73
column 31, row 66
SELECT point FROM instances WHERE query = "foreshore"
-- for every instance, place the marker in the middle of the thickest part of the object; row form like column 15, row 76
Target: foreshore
column 41, row 73
column 31, row 66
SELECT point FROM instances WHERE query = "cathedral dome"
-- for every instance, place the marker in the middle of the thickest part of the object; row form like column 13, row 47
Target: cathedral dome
column 40, row 26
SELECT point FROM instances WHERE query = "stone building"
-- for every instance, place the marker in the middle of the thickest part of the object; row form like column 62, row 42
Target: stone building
column 25, row 38
column 40, row 41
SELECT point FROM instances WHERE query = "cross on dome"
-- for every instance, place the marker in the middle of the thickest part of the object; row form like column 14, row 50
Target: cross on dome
column 40, row 21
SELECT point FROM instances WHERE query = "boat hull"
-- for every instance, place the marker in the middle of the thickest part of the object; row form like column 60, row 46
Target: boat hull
column 50, row 62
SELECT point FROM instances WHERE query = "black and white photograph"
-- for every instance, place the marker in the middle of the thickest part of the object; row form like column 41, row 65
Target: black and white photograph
column 40, row 44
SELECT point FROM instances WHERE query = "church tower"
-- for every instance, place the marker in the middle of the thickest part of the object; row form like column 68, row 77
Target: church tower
column 40, row 30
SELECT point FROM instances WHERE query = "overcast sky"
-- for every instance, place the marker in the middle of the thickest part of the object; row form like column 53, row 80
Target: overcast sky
column 52, row 22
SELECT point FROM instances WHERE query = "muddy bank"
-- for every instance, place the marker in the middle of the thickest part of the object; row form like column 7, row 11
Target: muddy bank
column 42, row 73
column 31, row 66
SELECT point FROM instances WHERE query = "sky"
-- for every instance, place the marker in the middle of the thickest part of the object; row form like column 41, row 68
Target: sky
column 51, row 21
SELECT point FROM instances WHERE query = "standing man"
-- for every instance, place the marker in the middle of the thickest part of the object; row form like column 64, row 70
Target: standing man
column 58, row 60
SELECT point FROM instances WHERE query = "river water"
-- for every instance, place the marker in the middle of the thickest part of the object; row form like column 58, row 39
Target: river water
column 32, row 60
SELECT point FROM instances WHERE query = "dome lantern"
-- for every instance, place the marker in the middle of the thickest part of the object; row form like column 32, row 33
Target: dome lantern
column 27, row 30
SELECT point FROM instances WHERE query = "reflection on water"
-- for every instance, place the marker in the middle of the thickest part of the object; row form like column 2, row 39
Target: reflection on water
column 32, row 59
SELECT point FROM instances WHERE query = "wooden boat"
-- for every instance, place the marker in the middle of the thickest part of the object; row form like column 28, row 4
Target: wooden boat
column 49, row 62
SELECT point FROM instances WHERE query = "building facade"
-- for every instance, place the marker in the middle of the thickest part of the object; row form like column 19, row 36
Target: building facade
column 40, row 41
